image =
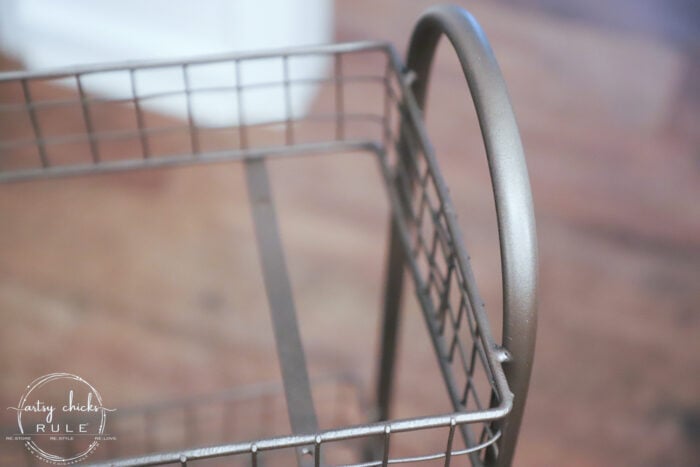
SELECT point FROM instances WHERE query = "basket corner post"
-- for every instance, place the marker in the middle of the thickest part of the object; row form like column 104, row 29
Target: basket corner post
column 391, row 320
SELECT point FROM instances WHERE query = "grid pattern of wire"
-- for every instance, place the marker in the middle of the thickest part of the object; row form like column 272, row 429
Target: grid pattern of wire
column 241, row 412
column 444, row 283
column 34, row 144
column 393, row 130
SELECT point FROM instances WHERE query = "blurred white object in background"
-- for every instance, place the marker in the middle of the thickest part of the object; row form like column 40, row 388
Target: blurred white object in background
column 56, row 33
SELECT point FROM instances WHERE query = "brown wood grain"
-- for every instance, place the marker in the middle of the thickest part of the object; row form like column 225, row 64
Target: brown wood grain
column 147, row 283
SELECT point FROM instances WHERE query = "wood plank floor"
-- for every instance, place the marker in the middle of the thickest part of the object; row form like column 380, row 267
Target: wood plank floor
column 149, row 281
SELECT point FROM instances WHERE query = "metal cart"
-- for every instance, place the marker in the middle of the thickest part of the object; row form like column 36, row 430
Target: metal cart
column 487, row 382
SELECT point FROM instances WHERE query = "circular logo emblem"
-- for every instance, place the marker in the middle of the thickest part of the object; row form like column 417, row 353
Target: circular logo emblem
column 61, row 418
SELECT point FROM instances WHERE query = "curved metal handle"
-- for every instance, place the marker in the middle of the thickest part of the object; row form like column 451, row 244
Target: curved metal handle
column 511, row 187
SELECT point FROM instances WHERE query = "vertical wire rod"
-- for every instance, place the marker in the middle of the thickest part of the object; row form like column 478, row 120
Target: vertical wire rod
column 317, row 452
column 35, row 124
column 194, row 136
column 139, row 115
column 339, row 101
column 450, row 439
column 288, row 101
column 88, row 120
column 387, row 436
column 242, row 130
column 254, row 455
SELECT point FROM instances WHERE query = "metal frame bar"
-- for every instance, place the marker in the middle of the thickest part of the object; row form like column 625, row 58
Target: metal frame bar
column 184, row 159
column 290, row 352
column 511, row 186
column 360, row 431
column 516, row 230
column 328, row 49
column 393, row 290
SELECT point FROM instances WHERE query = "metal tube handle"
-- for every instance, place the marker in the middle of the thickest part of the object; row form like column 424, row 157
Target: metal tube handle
column 511, row 188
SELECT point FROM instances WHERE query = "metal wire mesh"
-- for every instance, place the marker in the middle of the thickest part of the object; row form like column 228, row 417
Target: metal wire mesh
column 444, row 282
column 34, row 146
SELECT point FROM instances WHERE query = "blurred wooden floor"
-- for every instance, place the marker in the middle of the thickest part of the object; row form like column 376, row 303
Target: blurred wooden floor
column 607, row 94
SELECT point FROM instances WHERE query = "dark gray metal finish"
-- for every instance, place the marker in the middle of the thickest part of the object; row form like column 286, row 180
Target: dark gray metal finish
column 290, row 352
column 393, row 289
column 511, row 188
column 485, row 382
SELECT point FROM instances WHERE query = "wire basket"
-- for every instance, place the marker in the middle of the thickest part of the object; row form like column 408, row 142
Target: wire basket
column 486, row 382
